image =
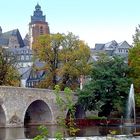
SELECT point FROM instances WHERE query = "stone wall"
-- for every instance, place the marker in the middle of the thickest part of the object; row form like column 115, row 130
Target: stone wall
column 16, row 100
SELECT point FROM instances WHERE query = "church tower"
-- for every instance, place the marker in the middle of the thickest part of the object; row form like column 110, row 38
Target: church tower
column 38, row 25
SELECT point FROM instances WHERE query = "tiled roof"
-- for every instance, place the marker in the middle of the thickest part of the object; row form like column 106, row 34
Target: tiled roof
column 111, row 48
column 24, row 72
column 4, row 41
column 99, row 46
column 124, row 44
column 10, row 33
column 4, row 38
column 39, row 73
column 111, row 44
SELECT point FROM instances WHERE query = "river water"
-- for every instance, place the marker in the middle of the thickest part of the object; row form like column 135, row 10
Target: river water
column 32, row 131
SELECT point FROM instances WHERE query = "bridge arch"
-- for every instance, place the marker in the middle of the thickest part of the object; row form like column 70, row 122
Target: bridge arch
column 3, row 115
column 38, row 112
column 16, row 101
column 79, row 112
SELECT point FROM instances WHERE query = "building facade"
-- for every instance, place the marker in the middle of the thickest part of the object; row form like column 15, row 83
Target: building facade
column 112, row 48
column 11, row 39
column 36, row 75
column 38, row 25
column 21, row 50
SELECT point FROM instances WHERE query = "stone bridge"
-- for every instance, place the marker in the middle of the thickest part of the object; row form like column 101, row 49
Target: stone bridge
column 19, row 106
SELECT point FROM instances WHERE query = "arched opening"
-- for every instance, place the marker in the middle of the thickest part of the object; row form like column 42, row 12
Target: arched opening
column 38, row 113
column 79, row 112
column 2, row 117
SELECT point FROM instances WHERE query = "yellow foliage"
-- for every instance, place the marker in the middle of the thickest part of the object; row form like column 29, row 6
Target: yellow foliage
column 66, row 58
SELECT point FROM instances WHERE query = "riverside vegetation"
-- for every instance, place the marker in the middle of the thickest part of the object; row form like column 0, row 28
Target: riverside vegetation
column 64, row 106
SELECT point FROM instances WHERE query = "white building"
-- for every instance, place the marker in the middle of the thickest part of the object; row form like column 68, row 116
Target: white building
column 112, row 48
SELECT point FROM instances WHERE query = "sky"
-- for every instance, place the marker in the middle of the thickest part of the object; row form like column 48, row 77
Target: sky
column 94, row 21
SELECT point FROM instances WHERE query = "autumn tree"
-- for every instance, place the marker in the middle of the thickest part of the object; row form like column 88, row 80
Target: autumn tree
column 46, row 48
column 66, row 58
column 74, row 57
column 9, row 75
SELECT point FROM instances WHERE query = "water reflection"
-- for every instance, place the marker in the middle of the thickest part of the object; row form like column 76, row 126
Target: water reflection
column 32, row 131
column 2, row 133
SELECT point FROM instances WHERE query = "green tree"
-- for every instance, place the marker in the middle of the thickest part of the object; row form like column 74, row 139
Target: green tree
column 136, row 36
column 9, row 75
column 108, row 88
column 43, row 133
column 134, row 63
column 66, row 58
column 66, row 104
column 134, row 60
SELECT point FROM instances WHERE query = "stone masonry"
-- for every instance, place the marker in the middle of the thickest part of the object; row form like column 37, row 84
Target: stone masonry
column 14, row 102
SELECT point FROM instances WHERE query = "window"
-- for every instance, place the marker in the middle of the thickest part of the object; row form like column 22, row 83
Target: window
column 41, row 30
column 27, row 57
column 22, row 57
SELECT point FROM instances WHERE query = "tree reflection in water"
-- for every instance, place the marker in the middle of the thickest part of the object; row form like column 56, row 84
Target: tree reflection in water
column 32, row 131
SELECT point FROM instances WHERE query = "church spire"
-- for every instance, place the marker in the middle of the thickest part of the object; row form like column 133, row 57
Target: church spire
column 38, row 15
column 38, row 7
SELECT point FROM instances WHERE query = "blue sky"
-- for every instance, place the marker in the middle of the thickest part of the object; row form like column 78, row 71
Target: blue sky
column 95, row 21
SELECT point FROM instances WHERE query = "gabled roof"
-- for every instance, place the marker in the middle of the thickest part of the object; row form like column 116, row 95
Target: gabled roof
column 111, row 44
column 99, row 46
column 10, row 33
column 112, row 48
column 105, row 46
column 124, row 44
column 38, row 65
column 24, row 72
column 4, row 38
